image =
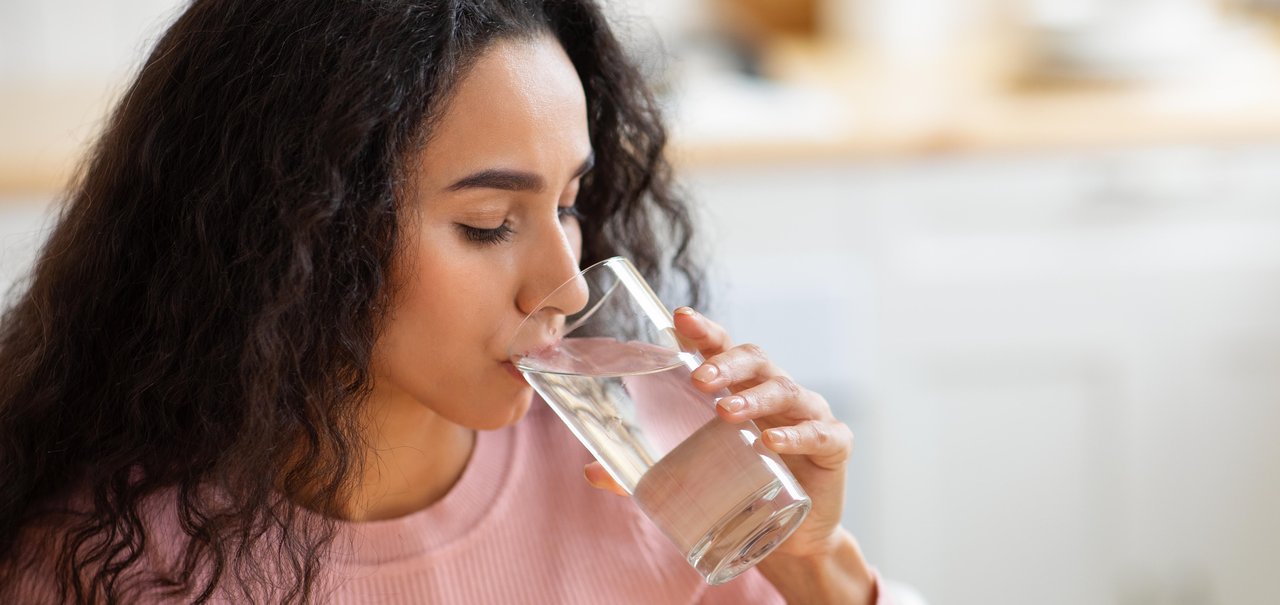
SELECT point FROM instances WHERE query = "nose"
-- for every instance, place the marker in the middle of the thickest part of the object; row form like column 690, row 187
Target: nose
column 550, row 291
column 552, row 284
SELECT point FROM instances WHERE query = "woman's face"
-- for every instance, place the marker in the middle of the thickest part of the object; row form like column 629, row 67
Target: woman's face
column 488, row 234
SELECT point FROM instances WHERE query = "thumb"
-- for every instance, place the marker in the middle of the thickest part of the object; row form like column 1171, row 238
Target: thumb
column 600, row 479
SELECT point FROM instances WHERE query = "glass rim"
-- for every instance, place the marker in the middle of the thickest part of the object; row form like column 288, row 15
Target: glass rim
column 581, row 316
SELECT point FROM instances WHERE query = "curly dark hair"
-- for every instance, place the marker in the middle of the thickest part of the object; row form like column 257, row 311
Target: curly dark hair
column 201, row 320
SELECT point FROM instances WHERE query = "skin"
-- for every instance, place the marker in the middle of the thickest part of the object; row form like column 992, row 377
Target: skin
column 440, row 370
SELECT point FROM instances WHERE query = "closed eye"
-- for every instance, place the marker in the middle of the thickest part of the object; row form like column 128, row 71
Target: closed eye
column 497, row 235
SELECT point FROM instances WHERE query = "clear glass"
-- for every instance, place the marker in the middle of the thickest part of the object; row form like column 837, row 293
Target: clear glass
column 602, row 352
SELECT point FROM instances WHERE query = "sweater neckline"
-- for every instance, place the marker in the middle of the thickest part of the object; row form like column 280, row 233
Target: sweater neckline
column 468, row 504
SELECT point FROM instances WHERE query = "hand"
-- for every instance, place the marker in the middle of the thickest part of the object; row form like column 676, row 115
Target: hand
column 796, row 423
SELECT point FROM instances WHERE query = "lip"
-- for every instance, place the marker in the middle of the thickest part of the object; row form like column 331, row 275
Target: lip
column 511, row 369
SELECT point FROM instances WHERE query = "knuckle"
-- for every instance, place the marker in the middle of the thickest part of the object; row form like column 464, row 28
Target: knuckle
column 716, row 331
column 760, row 400
column 821, row 437
column 846, row 436
column 722, row 361
column 787, row 386
column 822, row 407
column 752, row 349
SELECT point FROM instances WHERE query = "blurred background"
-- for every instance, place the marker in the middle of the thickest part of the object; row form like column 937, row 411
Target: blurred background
column 1028, row 249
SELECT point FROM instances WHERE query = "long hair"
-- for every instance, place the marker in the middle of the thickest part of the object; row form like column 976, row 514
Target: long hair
column 200, row 322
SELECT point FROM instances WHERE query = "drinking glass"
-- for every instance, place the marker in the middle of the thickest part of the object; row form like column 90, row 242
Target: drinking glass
column 602, row 351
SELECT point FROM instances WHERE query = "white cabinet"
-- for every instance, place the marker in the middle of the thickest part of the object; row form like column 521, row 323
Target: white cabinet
column 1061, row 369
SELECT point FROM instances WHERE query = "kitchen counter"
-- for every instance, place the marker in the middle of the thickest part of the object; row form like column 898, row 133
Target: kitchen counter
column 971, row 104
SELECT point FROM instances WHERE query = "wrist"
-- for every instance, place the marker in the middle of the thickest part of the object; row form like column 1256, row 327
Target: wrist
column 837, row 573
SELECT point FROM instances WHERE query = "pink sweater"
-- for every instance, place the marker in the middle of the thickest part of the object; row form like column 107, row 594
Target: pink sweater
column 520, row 526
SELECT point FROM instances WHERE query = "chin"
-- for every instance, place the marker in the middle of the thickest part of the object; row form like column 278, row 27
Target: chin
column 509, row 413
column 522, row 404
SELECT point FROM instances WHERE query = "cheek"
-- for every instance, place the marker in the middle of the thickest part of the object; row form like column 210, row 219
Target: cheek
column 447, row 307
column 436, row 334
column 448, row 358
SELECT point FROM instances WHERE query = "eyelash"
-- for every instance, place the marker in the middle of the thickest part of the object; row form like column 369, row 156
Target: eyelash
column 571, row 211
column 503, row 232
column 488, row 236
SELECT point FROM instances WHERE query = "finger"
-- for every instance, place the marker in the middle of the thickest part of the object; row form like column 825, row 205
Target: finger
column 777, row 396
column 827, row 444
column 743, row 366
column 699, row 333
column 600, row 479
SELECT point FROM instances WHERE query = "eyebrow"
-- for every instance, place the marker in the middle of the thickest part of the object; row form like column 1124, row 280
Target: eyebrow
column 513, row 180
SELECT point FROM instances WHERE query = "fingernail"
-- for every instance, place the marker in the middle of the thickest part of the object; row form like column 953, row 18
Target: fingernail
column 706, row 373
column 781, row 435
column 685, row 311
column 732, row 404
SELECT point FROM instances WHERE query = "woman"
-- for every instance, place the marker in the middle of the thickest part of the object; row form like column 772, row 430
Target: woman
column 261, row 357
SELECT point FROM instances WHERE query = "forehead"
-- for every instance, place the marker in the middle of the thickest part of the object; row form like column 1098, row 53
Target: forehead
column 521, row 105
